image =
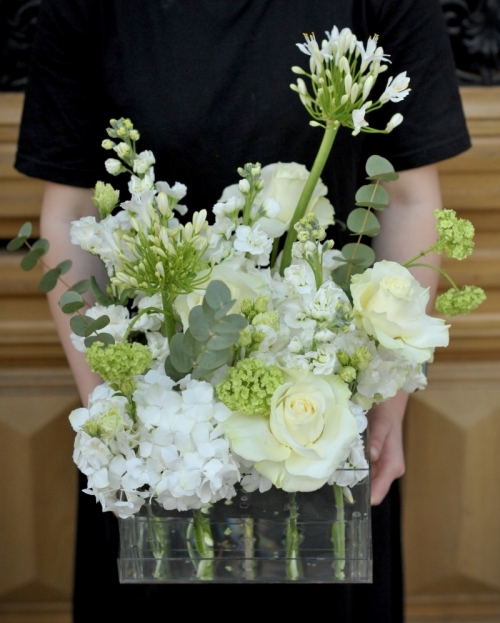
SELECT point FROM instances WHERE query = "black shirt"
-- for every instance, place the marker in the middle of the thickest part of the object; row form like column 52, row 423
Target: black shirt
column 206, row 82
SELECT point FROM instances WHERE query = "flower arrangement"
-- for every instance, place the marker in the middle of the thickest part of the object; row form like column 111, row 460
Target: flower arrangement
column 227, row 363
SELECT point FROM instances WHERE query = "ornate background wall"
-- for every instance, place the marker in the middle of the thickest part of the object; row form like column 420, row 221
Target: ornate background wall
column 451, row 492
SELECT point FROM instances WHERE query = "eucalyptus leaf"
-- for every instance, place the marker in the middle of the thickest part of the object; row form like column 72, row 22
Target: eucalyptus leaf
column 211, row 360
column 25, row 231
column 49, row 280
column 16, row 243
column 70, row 302
column 100, row 296
column 79, row 324
column 339, row 275
column 88, row 341
column 364, row 222
column 31, row 258
column 217, row 294
column 42, row 244
column 225, row 309
column 208, row 312
column 218, row 342
column 199, row 373
column 191, row 346
column 181, row 361
column 230, row 324
column 171, row 372
column 81, row 286
column 198, row 325
column 379, row 168
column 372, row 196
column 359, row 254
column 97, row 325
column 107, row 338
column 65, row 266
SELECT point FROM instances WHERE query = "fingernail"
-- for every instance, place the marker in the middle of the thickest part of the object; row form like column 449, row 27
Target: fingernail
column 373, row 453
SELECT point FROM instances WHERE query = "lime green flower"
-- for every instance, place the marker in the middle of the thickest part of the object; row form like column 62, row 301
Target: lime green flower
column 251, row 308
column 361, row 358
column 104, row 425
column 105, row 198
column 348, row 374
column 456, row 235
column 118, row 362
column 460, row 300
column 249, row 387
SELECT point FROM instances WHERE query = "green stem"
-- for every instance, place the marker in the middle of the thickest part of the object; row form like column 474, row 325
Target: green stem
column 168, row 312
column 305, row 197
column 136, row 318
column 338, row 533
column 274, row 254
column 442, row 272
column 293, row 566
column 248, row 534
column 158, row 539
column 204, row 545
column 419, row 255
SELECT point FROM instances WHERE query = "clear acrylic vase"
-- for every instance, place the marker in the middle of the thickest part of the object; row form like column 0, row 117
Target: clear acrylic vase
column 272, row 537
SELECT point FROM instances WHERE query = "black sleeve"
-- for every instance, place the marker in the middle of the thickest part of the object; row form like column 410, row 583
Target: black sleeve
column 413, row 33
column 64, row 119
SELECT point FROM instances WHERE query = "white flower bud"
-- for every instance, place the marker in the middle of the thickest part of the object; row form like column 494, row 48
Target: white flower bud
column 298, row 250
column 396, row 120
column 123, row 150
column 302, row 87
column 315, row 124
column 309, row 246
column 134, row 135
column 199, row 219
column 160, row 270
column 354, row 92
column 271, row 207
column 108, row 144
column 256, row 169
column 259, row 184
column 367, row 87
column 344, row 65
column 348, row 84
column 113, row 166
column 244, row 186
column 344, row 99
column 163, row 204
column 298, row 70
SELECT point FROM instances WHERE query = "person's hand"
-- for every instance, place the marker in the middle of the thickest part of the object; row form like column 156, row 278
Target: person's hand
column 385, row 423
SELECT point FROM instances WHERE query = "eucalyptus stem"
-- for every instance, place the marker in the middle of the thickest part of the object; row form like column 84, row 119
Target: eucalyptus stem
column 338, row 533
column 293, row 565
column 305, row 197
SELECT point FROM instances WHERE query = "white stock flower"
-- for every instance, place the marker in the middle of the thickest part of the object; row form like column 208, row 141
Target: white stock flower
column 143, row 161
column 119, row 320
column 391, row 306
column 113, row 166
column 230, row 206
column 396, row 89
column 254, row 241
column 149, row 321
column 307, row 436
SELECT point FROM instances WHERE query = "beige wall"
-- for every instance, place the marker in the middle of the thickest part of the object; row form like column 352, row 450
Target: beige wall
column 451, row 489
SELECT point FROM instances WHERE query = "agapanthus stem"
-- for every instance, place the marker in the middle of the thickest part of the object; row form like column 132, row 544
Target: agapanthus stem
column 338, row 533
column 293, row 565
column 204, row 545
column 168, row 313
column 305, row 197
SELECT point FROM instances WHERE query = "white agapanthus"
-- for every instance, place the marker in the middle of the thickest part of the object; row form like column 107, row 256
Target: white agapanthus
column 119, row 318
column 358, row 119
column 397, row 88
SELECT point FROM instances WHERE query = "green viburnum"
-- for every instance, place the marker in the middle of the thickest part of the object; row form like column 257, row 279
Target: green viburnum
column 460, row 300
column 348, row 374
column 249, row 387
column 118, row 362
column 251, row 308
column 456, row 235
column 104, row 425
column 361, row 358
column 105, row 198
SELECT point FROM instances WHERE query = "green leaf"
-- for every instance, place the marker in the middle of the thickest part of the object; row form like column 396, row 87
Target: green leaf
column 359, row 255
column 80, row 286
column 125, row 295
column 65, row 266
column 372, row 196
column 191, row 346
column 339, row 275
column 100, row 297
column 97, row 325
column 49, row 280
column 70, row 302
column 199, row 373
column 102, row 337
column 198, row 325
column 364, row 222
column 41, row 244
column 79, row 325
column 217, row 294
column 25, row 231
column 218, row 342
column 171, row 371
column 379, row 168
column 16, row 243
column 211, row 360
column 224, row 310
column 181, row 361
column 31, row 258
column 230, row 324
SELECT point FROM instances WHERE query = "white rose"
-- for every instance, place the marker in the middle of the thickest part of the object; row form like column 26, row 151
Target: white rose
column 307, row 436
column 285, row 181
column 391, row 305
